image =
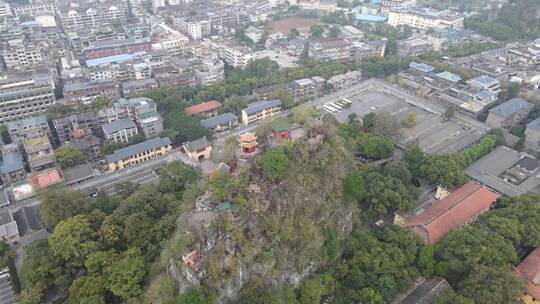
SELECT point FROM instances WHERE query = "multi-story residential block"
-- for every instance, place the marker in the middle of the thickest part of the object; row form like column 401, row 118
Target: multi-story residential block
column 424, row 18
column 120, row 131
column 144, row 112
column 532, row 135
column 138, row 153
column 260, row 110
column 210, row 70
column 415, row 47
column 346, row 80
column 77, row 126
column 28, row 128
column 307, row 87
column 11, row 166
column 509, row 113
column 87, row 92
column 330, row 50
column 5, row 9
column 20, row 56
column 133, row 87
column 220, row 123
column 34, row 8
column 195, row 29
column 88, row 145
column 25, row 94
column 39, row 153
column 106, row 48
column 92, row 14
column 233, row 54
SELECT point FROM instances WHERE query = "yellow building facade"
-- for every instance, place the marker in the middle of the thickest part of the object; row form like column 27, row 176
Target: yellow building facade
column 138, row 153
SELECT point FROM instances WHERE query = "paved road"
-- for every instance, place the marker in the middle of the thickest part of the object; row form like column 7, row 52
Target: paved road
column 362, row 88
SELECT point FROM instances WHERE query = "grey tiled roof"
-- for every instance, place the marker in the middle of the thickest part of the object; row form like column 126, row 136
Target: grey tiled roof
column 138, row 148
column 12, row 162
column 261, row 105
column 534, row 125
column 511, row 106
column 218, row 120
column 28, row 122
column 198, row 144
column 77, row 173
column 117, row 125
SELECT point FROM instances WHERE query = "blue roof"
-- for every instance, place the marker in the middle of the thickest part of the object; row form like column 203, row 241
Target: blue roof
column 12, row 161
column 484, row 80
column 109, row 59
column 369, row 18
column 449, row 76
column 426, row 68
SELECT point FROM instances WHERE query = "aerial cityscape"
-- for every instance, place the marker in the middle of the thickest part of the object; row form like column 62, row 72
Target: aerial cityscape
column 270, row 151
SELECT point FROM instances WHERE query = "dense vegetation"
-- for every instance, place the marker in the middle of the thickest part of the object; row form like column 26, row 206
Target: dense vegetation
column 517, row 19
column 101, row 252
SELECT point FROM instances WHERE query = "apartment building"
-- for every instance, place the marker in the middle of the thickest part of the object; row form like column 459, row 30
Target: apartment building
column 144, row 112
column 415, row 47
column 220, row 123
column 106, row 48
column 93, row 14
column 138, row 153
column 234, row 55
column 87, row 92
column 485, row 83
column 28, row 128
column 133, row 87
column 25, row 94
column 39, row 153
column 209, row 71
column 330, row 50
column 5, row 9
column 11, row 165
column 21, row 56
column 346, row 80
column 34, row 8
column 424, row 18
column 77, row 126
column 260, row 110
column 532, row 135
column 88, row 145
column 120, row 131
column 195, row 29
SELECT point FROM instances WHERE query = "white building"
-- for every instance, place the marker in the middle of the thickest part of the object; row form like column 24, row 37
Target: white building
column 5, row 10
column 21, row 56
column 25, row 94
column 194, row 29
column 236, row 56
column 424, row 18
column 210, row 70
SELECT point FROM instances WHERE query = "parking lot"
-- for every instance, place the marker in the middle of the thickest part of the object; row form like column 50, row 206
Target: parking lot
column 433, row 133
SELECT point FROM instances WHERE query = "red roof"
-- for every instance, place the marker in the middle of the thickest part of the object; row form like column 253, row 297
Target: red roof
column 455, row 210
column 46, row 178
column 203, row 107
column 529, row 269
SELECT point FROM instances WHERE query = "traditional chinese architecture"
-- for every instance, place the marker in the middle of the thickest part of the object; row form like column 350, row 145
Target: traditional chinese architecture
column 248, row 143
column 281, row 128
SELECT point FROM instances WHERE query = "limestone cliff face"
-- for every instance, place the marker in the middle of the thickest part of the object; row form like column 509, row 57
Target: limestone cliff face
column 274, row 232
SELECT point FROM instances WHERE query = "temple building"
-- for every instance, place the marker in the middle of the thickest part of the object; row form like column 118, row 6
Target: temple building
column 248, row 143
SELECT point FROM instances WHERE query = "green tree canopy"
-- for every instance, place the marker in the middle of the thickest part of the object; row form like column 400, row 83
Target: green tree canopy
column 60, row 204
column 274, row 163
column 67, row 156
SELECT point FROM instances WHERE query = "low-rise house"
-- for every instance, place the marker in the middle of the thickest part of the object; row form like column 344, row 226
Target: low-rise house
column 220, row 123
column 9, row 231
column 77, row 175
column 120, row 131
column 88, row 145
column 461, row 207
column 12, row 166
column 138, row 153
column 39, row 153
column 199, row 149
column 508, row 171
column 509, row 113
column 529, row 270
column 346, row 80
column 205, row 109
column 260, row 110
column 28, row 128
